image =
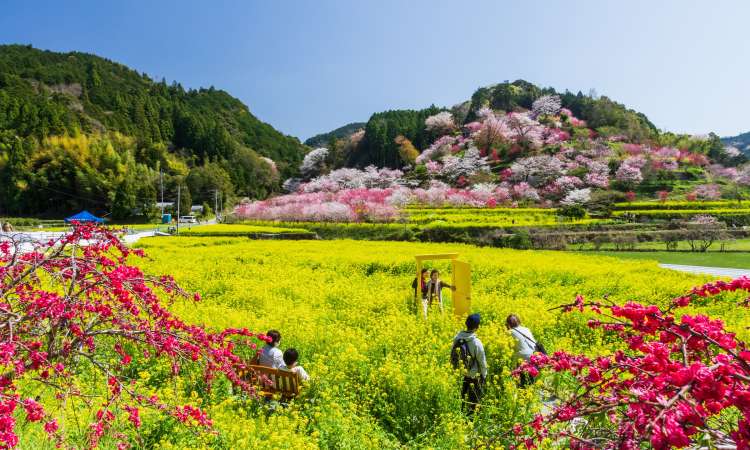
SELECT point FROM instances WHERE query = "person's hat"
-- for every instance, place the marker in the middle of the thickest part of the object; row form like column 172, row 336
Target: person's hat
column 473, row 321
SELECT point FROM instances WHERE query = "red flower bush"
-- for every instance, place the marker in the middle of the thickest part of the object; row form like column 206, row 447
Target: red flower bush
column 75, row 305
column 681, row 380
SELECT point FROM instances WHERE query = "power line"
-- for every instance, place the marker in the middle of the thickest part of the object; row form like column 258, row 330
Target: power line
column 71, row 195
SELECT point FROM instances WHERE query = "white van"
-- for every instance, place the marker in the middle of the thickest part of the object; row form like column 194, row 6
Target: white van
column 188, row 219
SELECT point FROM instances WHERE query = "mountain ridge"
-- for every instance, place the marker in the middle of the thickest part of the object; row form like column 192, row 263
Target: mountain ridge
column 378, row 145
column 195, row 134
column 740, row 141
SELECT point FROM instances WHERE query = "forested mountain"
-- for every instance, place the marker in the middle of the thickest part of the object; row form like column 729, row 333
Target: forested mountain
column 603, row 115
column 77, row 130
column 323, row 139
column 741, row 142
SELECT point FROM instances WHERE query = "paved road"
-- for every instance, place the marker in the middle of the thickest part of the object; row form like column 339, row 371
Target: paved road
column 134, row 237
column 27, row 238
column 713, row 271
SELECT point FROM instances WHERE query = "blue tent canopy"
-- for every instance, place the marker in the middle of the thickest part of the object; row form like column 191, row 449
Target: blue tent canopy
column 84, row 216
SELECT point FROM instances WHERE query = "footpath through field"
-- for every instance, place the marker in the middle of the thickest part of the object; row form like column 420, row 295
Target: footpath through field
column 714, row 271
column 26, row 239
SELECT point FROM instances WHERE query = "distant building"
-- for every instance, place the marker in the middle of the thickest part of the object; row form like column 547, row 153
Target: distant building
column 196, row 209
column 160, row 205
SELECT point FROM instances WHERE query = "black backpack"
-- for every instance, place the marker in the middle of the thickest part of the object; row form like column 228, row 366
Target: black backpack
column 538, row 346
column 460, row 354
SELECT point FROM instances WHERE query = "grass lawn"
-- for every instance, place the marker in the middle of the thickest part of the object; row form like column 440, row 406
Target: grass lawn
column 709, row 259
column 736, row 244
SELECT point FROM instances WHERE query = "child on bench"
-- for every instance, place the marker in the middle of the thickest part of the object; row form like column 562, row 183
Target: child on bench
column 291, row 356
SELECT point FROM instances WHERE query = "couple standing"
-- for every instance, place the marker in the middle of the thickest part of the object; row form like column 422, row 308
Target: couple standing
column 431, row 289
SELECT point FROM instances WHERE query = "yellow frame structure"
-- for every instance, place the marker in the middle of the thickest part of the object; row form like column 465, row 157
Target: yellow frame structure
column 461, row 298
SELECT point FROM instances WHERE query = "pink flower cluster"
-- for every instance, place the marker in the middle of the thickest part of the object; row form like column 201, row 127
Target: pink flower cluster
column 349, row 178
column 707, row 192
column 379, row 205
column 673, row 385
column 81, row 301
column 347, row 205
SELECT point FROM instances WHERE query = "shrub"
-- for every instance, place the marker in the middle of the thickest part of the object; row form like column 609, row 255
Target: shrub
column 574, row 211
column 520, row 240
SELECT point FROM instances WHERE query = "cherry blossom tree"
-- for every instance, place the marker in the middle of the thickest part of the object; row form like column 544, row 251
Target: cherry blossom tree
column 76, row 305
column 314, row 163
column 577, row 197
column 743, row 176
column 567, row 183
column 471, row 163
column 440, row 123
column 536, row 170
column 349, row 178
column 628, row 174
column 680, row 378
column 598, row 175
column 493, row 132
column 524, row 191
column 546, row 105
column 525, row 129
column 441, row 147
column 485, row 113
column 707, row 192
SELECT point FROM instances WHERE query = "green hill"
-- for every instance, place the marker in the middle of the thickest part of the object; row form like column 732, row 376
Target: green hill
column 601, row 113
column 323, row 139
column 741, row 141
column 205, row 139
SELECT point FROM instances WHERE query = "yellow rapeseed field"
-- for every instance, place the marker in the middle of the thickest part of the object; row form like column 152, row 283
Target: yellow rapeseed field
column 381, row 376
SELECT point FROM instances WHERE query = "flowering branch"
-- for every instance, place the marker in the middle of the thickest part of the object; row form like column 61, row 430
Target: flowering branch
column 682, row 381
column 74, row 305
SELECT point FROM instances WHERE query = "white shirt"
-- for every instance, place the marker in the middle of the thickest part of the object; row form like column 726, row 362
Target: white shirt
column 525, row 342
column 271, row 357
column 298, row 370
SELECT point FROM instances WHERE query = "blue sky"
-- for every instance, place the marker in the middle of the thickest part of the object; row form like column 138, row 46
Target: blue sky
column 310, row 66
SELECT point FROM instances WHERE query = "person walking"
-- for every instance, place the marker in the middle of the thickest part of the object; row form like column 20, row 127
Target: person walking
column 468, row 353
column 526, row 345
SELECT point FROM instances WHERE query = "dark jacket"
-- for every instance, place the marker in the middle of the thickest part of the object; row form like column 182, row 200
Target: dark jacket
column 416, row 283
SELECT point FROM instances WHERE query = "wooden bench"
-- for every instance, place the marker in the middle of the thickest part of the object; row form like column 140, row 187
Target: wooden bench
column 269, row 381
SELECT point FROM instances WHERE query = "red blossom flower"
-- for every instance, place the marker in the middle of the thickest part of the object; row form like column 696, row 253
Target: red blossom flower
column 678, row 374
column 114, row 307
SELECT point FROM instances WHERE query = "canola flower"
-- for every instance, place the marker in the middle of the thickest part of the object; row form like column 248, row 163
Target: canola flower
column 381, row 376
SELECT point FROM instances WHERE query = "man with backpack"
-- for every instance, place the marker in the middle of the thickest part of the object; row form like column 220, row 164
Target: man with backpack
column 468, row 354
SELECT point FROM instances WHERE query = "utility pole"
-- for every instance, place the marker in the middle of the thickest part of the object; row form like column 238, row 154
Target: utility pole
column 216, row 204
column 161, row 187
column 178, row 207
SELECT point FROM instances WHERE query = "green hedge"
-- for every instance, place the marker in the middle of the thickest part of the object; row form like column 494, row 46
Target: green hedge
column 732, row 217
column 679, row 205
